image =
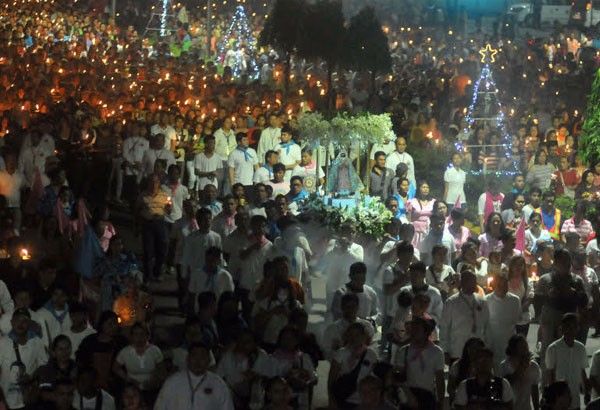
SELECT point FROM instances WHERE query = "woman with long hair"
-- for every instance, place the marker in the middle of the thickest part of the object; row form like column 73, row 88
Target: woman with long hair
column 540, row 173
column 491, row 239
column 518, row 284
column 586, row 188
column 462, row 369
column 522, row 372
column 420, row 209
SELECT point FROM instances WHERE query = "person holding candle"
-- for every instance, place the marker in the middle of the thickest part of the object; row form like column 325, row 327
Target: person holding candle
column 151, row 209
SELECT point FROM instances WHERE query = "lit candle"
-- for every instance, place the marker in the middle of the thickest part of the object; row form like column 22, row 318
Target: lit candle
column 24, row 253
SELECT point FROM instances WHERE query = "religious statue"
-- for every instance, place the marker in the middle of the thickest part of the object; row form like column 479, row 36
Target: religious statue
column 343, row 180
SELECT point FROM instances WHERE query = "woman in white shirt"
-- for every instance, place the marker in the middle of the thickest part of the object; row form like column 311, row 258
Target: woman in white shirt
column 295, row 366
column 349, row 366
column 471, row 258
column 139, row 361
column 439, row 275
column 522, row 372
column 454, row 182
column 242, row 365
column 535, row 234
column 518, row 284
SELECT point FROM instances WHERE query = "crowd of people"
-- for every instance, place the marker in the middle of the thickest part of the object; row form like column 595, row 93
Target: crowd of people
column 126, row 163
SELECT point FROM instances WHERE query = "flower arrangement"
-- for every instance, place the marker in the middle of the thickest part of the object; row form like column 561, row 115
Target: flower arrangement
column 369, row 216
column 344, row 129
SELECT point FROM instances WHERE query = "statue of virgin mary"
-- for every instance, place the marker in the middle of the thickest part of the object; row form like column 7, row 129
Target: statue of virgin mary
column 343, row 180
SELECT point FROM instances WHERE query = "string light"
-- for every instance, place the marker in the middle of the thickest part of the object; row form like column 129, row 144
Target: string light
column 486, row 86
column 239, row 31
column 163, row 18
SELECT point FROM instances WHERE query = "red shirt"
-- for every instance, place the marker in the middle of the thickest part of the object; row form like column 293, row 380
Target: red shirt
column 568, row 178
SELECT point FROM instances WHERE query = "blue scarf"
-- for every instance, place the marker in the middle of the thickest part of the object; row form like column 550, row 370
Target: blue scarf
column 287, row 146
column 300, row 196
column 270, row 169
column 31, row 333
column 247, row 155
column 58, row 317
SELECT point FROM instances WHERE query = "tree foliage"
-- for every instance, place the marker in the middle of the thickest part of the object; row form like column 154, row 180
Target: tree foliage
column 589, row 144
column 284, row 29
column 367, row 47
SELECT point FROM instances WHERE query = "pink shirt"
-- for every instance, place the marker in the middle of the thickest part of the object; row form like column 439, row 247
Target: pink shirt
column 584, row 229
column 460, row 237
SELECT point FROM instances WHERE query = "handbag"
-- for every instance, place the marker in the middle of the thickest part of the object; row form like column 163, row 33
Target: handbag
column 346, row 384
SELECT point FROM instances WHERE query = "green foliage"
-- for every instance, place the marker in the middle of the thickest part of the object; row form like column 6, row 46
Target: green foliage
column 589, row 143
column 367, row 47
column 566, row 206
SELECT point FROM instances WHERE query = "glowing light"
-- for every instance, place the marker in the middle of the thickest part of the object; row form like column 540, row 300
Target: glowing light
column 488, row 54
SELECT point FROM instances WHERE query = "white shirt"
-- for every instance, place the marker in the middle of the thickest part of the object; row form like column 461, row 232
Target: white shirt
column 504, row 315
column 280, row 366
column 108, row 402
column 276, row 322
column 167, row 131
column 289, row 156
column 593, row 252
column 343, row 358
column 436, row 306
column 421, row 367
column 77, row 338
column 456, row 326
column 332, row 337
column 232, row 366
column 202, row 163
column 396, row 158
column 133, row 152
column 263, row 174
column 295, row 256
column 51, row 326
column 178, row 194
column 455, row 178
column 431, row 239
column 568, row 363
column 150, row 157
column 481, row 204
column 368, row 303
column 218, row 283
column 590, row 282
column 243, row 165
column 461, row 398
column 186, row 391
column 224, row 143
column 252, row 269
column 385, row 148
column 336, row 265
column 140, row 367
column 233, row 245
column 440, row 279
column 522, row 390
column 269, row 140
column 33, row 355
column 10, row 187
column 194, row 248
column 32, row 159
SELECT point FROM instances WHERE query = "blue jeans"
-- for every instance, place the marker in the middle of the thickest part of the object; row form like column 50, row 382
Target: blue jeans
column 155, row 241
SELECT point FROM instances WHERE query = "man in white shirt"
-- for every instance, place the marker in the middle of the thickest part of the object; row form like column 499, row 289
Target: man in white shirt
column 156, row 151
column 177, row 192
column 505, row 313
column 387, row 147
column 165, row 129
column 54, row 316
column 417, row 271
column 211, row 278
column 134, row 148
column 207, row 164
column 566, row 359
column 265, row 172
column 89, row 397
column 80, row 327
column 20, row 356
column 33, row 157
column 195, row 246
column 464, row 316
column 422, row 362
column 269, row 137
column 290, row 154
column 225, row 139
column 11, row 184
column 368, row 307
column 401, row 156
column 333, row 336
column 242, row 162
column 195, row 387
column 438, row 235
column 454, row 181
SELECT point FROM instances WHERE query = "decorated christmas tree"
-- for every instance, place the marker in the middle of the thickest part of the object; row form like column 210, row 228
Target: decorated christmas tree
column 237, row 49
column 485, row 110
column 589, row 143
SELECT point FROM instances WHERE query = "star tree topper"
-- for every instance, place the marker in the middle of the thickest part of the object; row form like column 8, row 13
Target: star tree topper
column 488, row 54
